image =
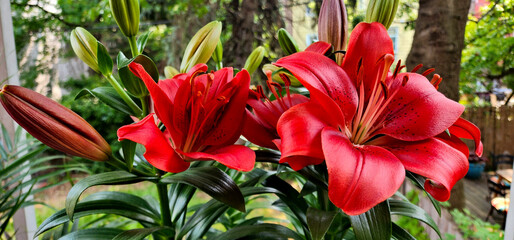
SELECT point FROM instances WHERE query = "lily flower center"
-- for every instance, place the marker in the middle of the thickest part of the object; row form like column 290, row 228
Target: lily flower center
column 282, row 103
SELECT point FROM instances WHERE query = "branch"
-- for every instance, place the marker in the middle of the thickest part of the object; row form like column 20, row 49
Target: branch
column 504, row 73
column 51, row 14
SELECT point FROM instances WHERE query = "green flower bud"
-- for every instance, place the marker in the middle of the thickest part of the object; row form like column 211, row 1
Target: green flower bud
column 333, row 25
column 201, row 46
column 170, row 72
column 126, row 14
column 382, row 11
column 276, row 74
column 287, row 43
column 85, row 46
column 254, row 60
column 217, row 56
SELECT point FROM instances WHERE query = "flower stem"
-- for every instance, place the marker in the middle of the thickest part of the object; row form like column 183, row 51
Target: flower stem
column 145, row 101
column 133, row 46
column 126, row 98
column 162, row 190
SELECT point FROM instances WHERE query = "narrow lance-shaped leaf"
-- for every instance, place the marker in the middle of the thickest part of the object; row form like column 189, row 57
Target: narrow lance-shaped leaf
column 319, row 222
column 373, row 224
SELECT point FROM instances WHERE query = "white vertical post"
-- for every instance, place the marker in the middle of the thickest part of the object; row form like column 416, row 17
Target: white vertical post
column 509, row 225
column 24, row 219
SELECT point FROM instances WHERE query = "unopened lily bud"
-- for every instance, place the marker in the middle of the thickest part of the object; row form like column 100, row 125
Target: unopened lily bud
column 277, row 71
column 53, row 124
column 217, row 56
column 287, row 43
column 254, row 60
column 170, row 72
column 201, row 46
column 126, row 14
column 85, row 46
column 382, row 11
column 333, row 25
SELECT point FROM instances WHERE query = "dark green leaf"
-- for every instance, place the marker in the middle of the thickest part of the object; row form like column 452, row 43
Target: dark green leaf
column 108, row 206
column 374, row 224
column 141, row 41
column 212, row 181
column 6, row 138
column 419, row 181
column 108, row 96
column 92, row 234
column 259, row 231
column 137, row 234
column 129, row 150
column 107, row 178
column 401, row 234
column 127, row 199
column 149, row 66
column 104, row 60
column 122, row 61
column 179, row 196
column 319, row 221
column 408, row 209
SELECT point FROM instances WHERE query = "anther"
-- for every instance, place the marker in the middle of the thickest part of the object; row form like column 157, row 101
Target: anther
column 415, row 69
column 428, row 71
column 385, row 90
column 405, row 80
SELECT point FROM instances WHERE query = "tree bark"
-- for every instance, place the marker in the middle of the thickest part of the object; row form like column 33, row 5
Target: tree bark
column 439, row 40
column 240, row 45
column 438, row 43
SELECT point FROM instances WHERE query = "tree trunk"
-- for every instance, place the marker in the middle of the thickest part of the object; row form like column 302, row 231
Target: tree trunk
column 439, row 39
column 240, row 45
column 438, row 43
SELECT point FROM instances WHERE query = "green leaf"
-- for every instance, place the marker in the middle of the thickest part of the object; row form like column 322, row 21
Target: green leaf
column 107, row 178
column 319, row 222
column 109, row 206
column 129, row 150
column 92, row 234
column 212, row 181
column 104, row 60
column 109, row 96
column 179, row 196
column 374, row 224
column 419, row 181
column 149, row 66
column 7, row 139
column 127, row 199
column 408, row 209
column 259, row 231
column 401, row 234
column 141, row 41
column 137, row 234
column 122, row 61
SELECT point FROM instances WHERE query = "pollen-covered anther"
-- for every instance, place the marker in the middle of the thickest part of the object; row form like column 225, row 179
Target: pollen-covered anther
column 436, row 80
column 405, row 80
column 285, row 78
column 385, row 90
column 416, row 68
column 428, row 71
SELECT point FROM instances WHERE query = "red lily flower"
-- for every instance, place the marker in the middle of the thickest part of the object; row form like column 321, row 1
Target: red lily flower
column 261, row 125
column 370, row 125
column 203, row 116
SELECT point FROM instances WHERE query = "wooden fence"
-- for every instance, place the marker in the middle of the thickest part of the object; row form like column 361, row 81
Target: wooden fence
column 496, row 125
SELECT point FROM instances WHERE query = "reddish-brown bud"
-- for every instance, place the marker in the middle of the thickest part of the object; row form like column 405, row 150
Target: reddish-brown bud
column 53, row 124
column 333, row 25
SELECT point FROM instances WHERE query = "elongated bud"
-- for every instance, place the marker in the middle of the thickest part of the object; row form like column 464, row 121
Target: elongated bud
column 287, row 43
column 170, row 72
column 53, row 124
column 85, row 46
column 333, row 25
column 126, row 14
column 201, row 46
column 254, row 60
column 277, row 71
column 382, row 11
column 217, row 56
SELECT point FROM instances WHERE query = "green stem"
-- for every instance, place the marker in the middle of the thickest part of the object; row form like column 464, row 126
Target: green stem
column 144, row 103
column 133, row 46
column 162, row 190
column 126, row 98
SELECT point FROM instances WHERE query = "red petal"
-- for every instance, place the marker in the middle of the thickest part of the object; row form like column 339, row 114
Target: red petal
column 434, row 158
column 230, row 125
column 256, row 132
column 319, row 47
column 418, row 111
column 369, row 42
column 359, row 177
column 162, row 103
column 159, row 152
column 465, row 129
column 237, row 157
column 171, row 86
column 300, row 133
column 316, row 71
